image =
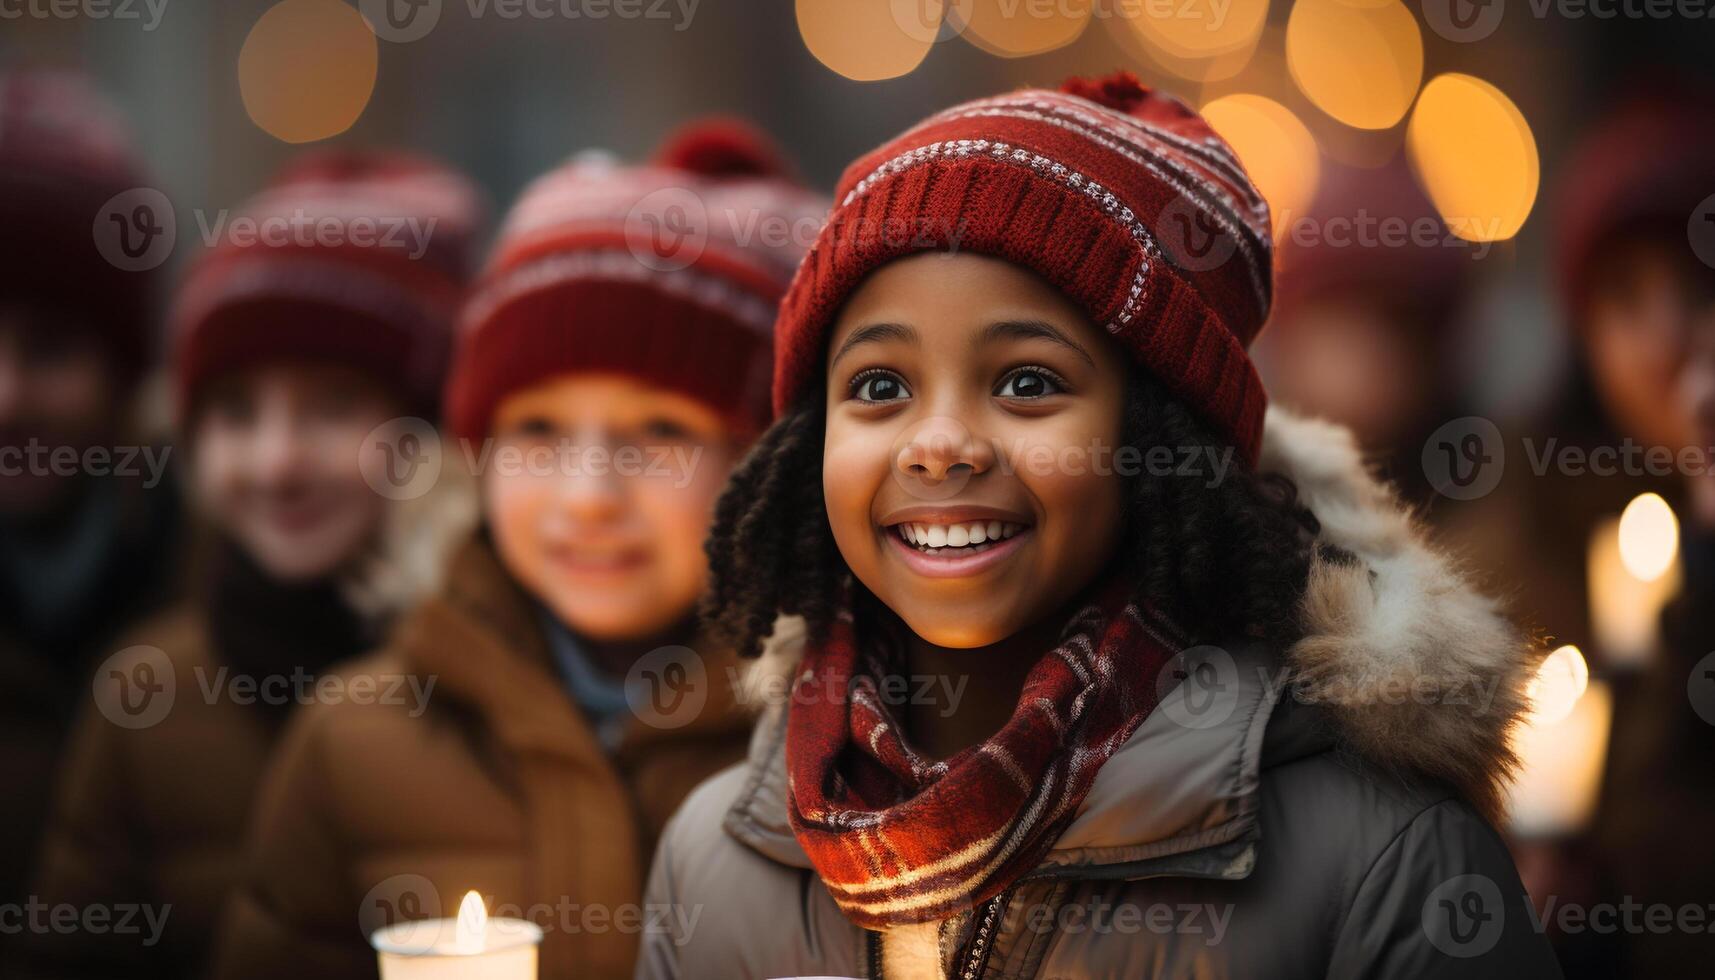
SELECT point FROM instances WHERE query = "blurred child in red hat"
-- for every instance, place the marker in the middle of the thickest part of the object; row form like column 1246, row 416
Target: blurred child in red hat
column 308, row 326
column 612, row 366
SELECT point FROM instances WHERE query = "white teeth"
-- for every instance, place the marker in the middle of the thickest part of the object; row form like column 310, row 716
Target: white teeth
column 967, row 534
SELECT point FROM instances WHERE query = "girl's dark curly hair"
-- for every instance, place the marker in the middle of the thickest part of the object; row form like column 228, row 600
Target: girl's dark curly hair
column 1221, row 561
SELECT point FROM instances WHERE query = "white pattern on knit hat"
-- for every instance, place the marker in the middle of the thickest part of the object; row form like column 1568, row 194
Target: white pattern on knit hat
column 613, row 265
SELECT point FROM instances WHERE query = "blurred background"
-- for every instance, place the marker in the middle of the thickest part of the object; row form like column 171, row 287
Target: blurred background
column 1495, row 223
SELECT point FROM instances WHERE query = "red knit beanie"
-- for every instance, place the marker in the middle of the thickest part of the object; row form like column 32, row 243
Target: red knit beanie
column 64, row 153
column 360, row 258
column 1119, row 196
column 669, row 272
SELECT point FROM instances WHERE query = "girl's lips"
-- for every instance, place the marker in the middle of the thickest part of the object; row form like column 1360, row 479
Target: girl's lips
column 945, row 565
column 594, row 566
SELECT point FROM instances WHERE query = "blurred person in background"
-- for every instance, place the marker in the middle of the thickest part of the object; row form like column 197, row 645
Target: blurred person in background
column 289, row 351
column 614, row 364
column 84, row 550
column 1366, row 328
column 1637, row 265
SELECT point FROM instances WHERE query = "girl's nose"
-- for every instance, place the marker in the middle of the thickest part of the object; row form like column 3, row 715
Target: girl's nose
column 941, row 447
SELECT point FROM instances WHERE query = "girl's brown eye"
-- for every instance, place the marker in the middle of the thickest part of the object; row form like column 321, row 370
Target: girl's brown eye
column 1029, row 383
column 878, row 386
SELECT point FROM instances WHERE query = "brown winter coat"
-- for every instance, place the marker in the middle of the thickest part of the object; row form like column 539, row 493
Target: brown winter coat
column 496, row 782
column 1312, row 813
column 151, row 818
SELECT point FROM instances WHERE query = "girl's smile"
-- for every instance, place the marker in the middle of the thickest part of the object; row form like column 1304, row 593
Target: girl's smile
column 948, row 542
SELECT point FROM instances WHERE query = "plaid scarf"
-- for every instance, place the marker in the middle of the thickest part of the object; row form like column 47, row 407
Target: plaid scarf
column 898, row 838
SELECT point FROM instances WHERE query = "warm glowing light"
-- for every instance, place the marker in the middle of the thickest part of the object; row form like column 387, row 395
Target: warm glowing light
column 307, row 69
column 1649, row 537
column 1554, row 793
column 1359, row 61
column 1200, row 42
column 1560, row 681
column 471, row 931
column 870, row 40
column 1275, row 148
column 1625, row 609
column 1476, row 157
column 1015, row 28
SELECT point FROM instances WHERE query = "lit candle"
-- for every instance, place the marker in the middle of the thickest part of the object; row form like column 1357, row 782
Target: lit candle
column 1633, row 571
column 470, row 947
column 1562, row 744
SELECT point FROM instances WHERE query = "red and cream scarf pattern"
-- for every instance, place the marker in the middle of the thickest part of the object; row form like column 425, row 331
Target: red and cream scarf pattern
column 898, row 838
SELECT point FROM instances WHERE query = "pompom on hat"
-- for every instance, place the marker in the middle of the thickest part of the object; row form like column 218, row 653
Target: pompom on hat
column 670, row 272
column 1120, row 196
column 352, row 257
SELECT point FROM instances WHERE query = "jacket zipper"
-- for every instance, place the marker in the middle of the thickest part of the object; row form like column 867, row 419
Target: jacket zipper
column 982, row 944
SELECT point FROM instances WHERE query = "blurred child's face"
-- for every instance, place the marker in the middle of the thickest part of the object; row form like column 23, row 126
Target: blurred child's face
column 56, row 389
column 972, row 416
column 599, row 492
column 276, row 464
column 1644, row 309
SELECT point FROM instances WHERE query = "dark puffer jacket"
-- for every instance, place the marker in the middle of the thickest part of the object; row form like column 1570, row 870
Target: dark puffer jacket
column 1322, row 813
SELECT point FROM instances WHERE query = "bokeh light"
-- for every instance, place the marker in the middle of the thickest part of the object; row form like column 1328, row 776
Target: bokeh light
column 307, row 69
column 1276, row 149
column 1015, row 28
column 1649, row 537
column 1200, row 42
column 1475, row 155
column 1360, row 61
column 872, row 40
column 1560, row 681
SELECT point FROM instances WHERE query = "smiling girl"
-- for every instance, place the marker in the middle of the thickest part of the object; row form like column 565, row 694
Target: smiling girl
column 1182, row 749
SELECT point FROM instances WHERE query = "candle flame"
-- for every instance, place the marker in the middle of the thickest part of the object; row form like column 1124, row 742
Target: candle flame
column 1560, row 681
column 1649, row 537
column 471, row 933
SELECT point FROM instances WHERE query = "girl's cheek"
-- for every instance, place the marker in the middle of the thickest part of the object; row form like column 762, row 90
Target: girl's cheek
column 854, row 462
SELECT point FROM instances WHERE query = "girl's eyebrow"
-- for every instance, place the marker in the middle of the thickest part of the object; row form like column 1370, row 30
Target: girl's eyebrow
column 875, row 333
column 1030, row 330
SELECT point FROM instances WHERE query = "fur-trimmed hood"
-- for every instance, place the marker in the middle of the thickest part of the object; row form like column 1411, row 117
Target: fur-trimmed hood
column 1404, row 666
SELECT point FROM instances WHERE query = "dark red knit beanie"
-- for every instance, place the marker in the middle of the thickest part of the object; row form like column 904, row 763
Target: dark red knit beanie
column 1121, row 197
column 360, row 258
column 64, row 153
column 670, row 272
